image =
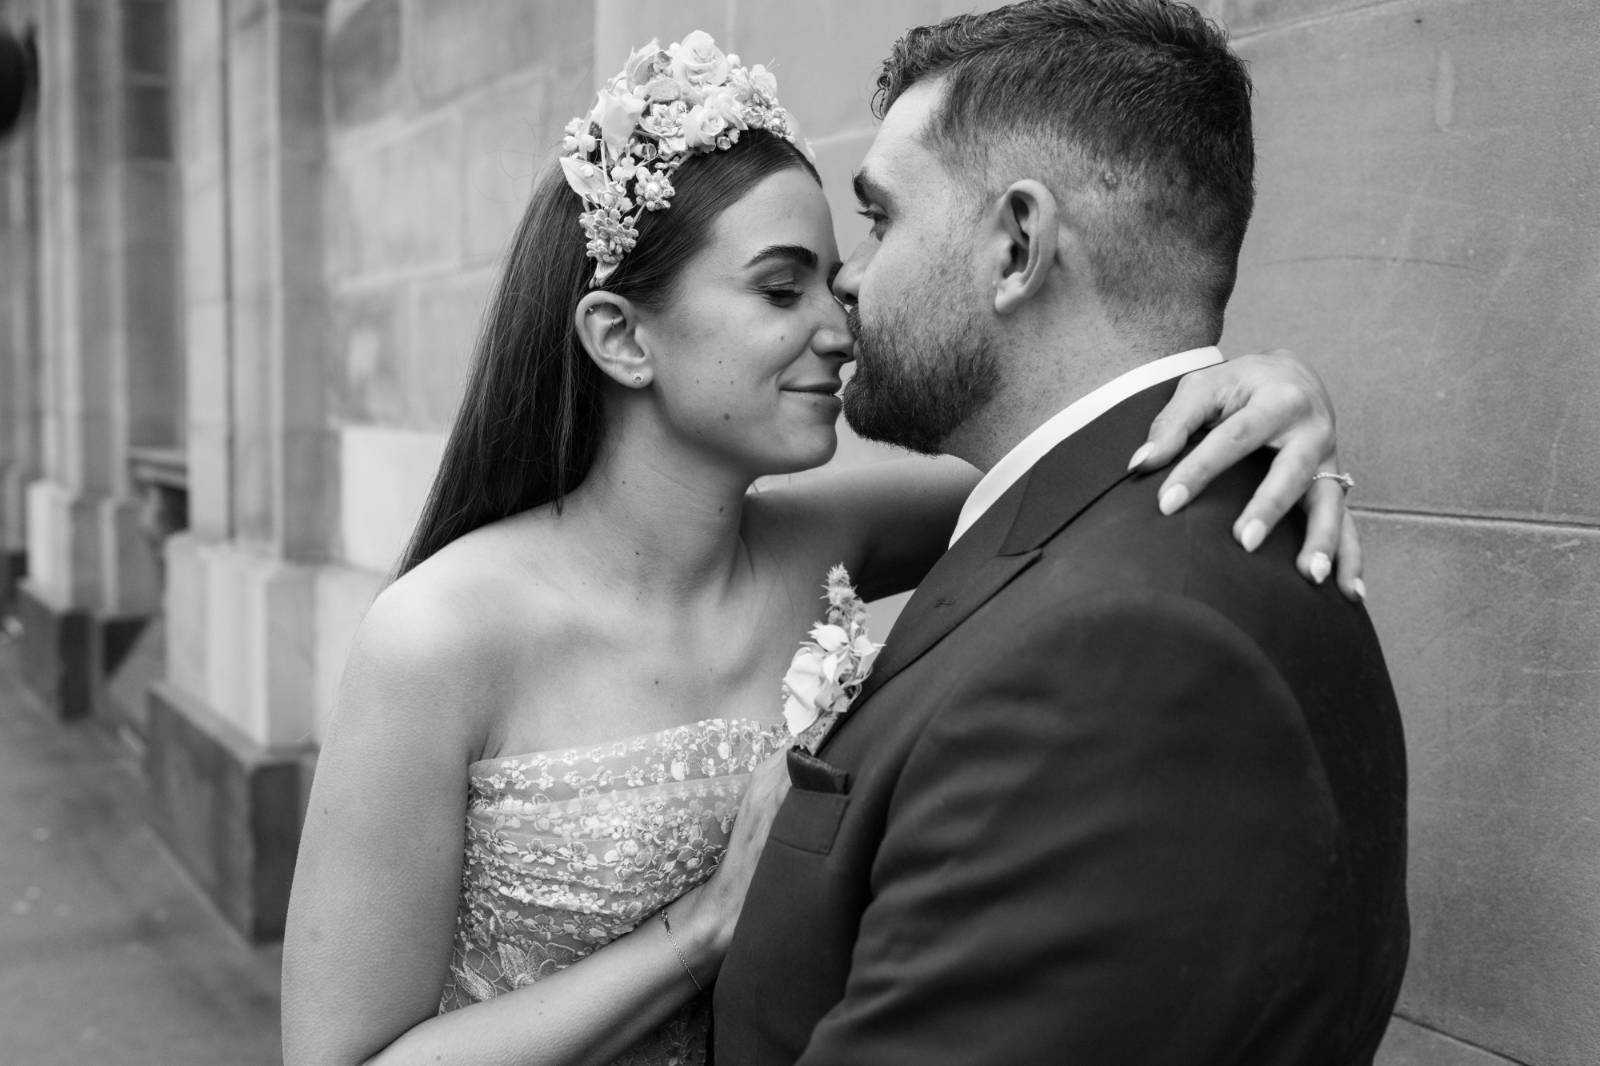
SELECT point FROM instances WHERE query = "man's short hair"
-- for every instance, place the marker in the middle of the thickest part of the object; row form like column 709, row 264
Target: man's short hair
column 1136, row 108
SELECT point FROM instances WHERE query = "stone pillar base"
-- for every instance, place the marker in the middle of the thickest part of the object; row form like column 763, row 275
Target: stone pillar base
column 55, row 653
column 13, row 565
column 135, row 659
column 230, row 809
column 70, row 654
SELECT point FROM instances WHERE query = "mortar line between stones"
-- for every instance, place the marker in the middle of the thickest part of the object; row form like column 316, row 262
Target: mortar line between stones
column 1569, row 522
column 1465, row 1043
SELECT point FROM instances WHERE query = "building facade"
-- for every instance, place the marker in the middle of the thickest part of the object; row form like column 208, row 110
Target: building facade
column 245, row 245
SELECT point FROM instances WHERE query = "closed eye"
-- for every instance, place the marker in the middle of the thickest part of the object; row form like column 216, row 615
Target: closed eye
column 782, row 297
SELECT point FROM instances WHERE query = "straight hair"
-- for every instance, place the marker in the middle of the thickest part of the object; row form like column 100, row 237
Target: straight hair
column 532, row 415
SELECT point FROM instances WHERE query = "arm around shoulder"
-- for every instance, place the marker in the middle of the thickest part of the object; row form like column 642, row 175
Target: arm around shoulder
column 888, row 522
column 1110, row 835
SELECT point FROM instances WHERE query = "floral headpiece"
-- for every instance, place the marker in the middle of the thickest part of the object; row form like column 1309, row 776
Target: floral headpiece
column 666, row 105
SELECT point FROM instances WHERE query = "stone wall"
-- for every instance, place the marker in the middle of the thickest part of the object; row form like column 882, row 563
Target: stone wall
column 1428, row 232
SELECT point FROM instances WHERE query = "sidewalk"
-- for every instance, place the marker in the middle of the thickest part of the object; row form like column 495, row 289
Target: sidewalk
column 107, row 953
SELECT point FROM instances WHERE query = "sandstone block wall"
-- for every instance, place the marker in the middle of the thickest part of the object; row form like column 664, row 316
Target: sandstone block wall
column 439, row 115
column 1427, row 233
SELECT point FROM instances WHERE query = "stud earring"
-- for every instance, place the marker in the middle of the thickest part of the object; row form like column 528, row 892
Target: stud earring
column 638, row 379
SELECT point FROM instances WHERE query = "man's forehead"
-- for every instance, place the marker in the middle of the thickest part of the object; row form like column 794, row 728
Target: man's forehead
column 898, row 147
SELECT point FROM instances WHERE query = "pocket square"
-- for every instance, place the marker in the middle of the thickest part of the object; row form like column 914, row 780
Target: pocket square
column 810, row 774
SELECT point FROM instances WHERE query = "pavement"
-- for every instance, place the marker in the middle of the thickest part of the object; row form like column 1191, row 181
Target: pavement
column 108, row 953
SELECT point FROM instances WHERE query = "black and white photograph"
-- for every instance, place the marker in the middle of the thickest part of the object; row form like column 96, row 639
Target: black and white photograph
column 754, row 533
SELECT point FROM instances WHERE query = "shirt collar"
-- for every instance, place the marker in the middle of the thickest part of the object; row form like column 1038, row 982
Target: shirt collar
column 1036, row 445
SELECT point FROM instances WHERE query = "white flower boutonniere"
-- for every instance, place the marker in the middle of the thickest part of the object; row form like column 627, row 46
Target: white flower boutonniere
column 828, row 670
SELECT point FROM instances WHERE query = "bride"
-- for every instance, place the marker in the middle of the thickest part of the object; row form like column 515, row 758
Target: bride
column 551, row 768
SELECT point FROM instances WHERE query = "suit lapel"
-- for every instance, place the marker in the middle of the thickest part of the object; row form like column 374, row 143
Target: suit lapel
column 1083, row 468
column 966, row 578
column 1008, row 539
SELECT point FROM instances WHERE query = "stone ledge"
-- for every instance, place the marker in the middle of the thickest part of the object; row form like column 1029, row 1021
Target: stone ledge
column 229, row 809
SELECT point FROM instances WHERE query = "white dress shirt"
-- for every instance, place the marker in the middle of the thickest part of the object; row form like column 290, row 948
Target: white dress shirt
column 1073, row 417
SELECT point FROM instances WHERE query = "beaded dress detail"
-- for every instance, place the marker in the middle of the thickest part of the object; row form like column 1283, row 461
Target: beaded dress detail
column 568, row 850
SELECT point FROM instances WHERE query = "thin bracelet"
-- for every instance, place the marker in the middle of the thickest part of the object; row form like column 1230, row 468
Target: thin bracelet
column 676, row 950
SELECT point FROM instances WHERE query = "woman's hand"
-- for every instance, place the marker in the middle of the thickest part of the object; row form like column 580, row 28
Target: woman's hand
column 712, row 910
column 1258, row 401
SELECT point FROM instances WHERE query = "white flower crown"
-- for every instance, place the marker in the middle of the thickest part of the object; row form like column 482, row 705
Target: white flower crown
column 667, row 104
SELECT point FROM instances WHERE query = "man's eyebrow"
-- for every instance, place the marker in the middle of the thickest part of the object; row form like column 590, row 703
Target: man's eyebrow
column 798, row 253
column 869, row 191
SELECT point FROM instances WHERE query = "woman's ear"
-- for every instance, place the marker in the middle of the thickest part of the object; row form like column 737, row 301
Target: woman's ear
column 607, row 328
column 1024, row 228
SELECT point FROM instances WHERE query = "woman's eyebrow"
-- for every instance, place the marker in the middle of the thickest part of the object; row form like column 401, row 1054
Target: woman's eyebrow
column 797, row 253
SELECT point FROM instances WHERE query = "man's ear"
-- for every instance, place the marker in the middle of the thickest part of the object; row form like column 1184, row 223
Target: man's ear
column 1024, row 224
column 608, row 329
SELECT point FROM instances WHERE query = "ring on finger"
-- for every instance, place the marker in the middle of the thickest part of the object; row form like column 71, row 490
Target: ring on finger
column 1344, row 481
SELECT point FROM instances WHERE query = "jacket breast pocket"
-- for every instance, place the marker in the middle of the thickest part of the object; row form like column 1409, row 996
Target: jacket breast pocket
column 810, row 816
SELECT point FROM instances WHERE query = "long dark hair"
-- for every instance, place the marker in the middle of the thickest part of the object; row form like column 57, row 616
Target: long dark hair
column 531, row 418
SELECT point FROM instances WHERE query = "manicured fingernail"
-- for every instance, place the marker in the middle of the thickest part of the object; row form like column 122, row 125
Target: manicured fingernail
column 1173, row 497
column 1143, row 453
column 1253, row 533
column 1359, row 587
column 1320, row 566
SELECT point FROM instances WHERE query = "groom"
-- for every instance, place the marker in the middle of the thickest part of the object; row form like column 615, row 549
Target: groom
column 1117, row 791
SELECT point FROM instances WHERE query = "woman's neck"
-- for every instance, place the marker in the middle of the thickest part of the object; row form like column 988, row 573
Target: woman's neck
column 661, row 523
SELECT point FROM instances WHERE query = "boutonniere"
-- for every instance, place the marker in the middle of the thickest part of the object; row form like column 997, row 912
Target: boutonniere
column 828, row 670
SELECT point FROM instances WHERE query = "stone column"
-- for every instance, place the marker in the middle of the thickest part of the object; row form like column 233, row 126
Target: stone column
column 230, row 724
column 106, row 271
column 19, row 340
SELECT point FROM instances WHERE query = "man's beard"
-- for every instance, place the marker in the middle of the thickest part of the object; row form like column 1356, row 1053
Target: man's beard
column 917, row 378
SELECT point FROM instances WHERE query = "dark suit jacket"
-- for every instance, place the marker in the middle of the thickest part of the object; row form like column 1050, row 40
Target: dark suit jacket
column 1117, row 792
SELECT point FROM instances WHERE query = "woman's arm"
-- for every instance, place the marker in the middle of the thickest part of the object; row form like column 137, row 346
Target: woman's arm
column 372, row 914
column 1293, row 414
column 889, row 522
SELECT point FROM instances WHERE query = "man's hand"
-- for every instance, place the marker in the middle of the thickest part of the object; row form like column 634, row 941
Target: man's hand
column 1253, row 402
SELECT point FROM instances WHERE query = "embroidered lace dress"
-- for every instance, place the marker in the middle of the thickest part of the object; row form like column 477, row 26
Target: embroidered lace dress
column 568, row 850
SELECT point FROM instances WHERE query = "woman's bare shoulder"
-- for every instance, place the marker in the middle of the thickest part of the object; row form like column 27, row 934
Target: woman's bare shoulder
column 447, row 642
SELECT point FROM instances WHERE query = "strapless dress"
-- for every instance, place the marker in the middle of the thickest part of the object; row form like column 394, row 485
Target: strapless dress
column 568, row 850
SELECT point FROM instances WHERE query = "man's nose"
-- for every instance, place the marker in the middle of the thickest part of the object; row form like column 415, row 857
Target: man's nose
column 846, row 283
column 834, row 336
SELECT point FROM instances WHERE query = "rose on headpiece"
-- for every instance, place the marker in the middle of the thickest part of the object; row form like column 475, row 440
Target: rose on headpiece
column 666, row 104
column 697, row 60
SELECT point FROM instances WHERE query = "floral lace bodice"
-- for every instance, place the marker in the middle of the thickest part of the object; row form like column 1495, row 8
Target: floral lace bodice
column 568, row 850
